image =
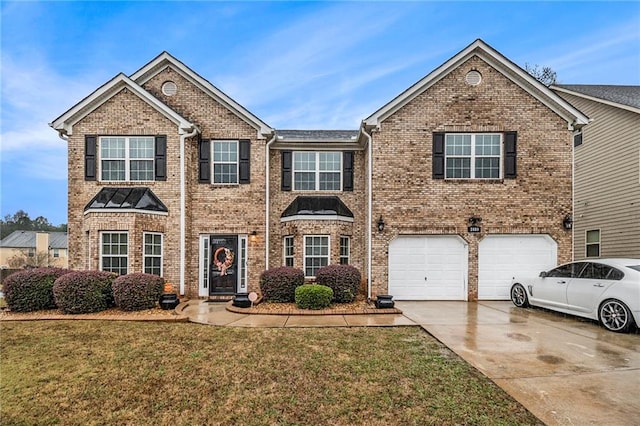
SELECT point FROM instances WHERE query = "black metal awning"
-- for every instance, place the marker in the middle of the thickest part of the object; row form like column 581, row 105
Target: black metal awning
column 317, row 206
column 136, row 198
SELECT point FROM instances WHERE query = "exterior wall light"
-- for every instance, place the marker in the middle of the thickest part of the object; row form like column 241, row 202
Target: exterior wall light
column 253, row 236
column 567, row 222
column 380, row 224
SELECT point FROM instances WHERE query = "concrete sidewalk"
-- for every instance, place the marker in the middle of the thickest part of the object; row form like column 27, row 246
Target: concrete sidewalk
column 215, row 313
column 565, row 370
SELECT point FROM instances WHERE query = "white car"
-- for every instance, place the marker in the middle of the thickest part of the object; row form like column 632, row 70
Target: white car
column 607, row 290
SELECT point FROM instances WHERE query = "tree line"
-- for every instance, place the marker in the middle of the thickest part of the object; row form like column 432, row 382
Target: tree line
column 20, row 221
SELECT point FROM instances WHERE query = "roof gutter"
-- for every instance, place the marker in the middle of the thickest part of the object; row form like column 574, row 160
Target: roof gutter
column 266, row 208
column 183, row 227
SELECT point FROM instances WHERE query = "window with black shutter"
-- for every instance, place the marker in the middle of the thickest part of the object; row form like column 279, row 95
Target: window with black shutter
column 438, row 156
column 90, row 149
column 204, row 164
column 244, row 161
column 286, row 170
column 161, row 158
column 347, row 170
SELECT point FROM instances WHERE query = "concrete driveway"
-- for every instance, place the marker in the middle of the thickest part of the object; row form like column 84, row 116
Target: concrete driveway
column 565, row 370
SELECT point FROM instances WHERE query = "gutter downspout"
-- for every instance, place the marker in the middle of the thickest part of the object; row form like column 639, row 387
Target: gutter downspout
column 369, row 208
column 266, row 206
column 183, row 137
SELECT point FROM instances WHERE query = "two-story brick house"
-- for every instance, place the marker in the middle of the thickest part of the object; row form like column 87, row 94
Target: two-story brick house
column 440, row 194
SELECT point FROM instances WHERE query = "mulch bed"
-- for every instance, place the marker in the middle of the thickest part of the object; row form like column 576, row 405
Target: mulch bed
column 359, row 306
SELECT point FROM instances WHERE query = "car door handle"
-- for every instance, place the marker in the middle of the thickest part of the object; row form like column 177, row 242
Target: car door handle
column 598, row 285
column 562, row 282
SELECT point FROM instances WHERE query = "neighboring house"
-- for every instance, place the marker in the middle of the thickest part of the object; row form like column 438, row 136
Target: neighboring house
column 606, row 219
column 34, row 248
column 443, row 193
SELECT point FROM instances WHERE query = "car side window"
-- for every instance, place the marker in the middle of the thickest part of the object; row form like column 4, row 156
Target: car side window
column 570, row 270
column 615, row 274
column 595, row 271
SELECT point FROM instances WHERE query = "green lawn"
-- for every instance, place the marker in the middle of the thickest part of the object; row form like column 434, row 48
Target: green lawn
column 90, row 372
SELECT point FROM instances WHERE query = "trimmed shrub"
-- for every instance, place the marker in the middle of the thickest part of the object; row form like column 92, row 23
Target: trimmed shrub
column 84, row 292
column 313, row 296
column 344, row 280
column 32, row 289
column 135, row 292
column 279, row 284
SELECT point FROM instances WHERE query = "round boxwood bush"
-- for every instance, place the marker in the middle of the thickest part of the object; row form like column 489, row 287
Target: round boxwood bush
column 279, row 284
column 31, row 289
column 313, row 296
column 344, row 280
column 84, row 292
column 135, row 292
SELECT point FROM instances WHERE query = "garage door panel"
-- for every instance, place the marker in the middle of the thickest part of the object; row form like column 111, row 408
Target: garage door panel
column 501, row 257
column 442, row 260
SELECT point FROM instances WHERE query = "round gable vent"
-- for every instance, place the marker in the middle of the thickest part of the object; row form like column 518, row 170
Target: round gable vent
column 473, row 78
column 169, row 88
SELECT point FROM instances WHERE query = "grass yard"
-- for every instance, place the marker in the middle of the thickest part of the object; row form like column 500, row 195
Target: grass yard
column 90, row 372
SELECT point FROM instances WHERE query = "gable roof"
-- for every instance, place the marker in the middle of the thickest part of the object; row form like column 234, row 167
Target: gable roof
column 129, row 198
column 498, row 61
column 27, row 239
column 164, row 60
column 64, row 124
column 625, row 97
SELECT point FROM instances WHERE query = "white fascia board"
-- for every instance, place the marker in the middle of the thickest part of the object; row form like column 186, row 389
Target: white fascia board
column 498, row 61
column 316, row 217
column 65, row 123
column 595, row 99
column 165, row 60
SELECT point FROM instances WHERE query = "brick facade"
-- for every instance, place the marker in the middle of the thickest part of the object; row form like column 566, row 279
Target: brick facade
column 411, row 202
column 404, row 193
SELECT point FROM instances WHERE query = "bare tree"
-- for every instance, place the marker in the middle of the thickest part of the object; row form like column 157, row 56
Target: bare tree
column 23, row 260
column 545, row 75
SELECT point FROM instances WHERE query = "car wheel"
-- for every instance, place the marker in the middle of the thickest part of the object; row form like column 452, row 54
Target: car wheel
column 615, row 316
column 519, row 296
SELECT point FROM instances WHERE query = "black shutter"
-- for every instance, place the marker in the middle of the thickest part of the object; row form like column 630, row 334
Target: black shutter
column 204, row 166
column 577, row 139
column 286, row 170
column 347, row 171
column 90, row 148
column 161, row 158
column 510, row 155
column 243, row 165
column 438, row 156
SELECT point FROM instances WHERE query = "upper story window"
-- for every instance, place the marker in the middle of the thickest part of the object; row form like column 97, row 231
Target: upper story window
column 317, row 171
column 473, row 156
column 593, row 243
column 127, row 158
column 225, row 162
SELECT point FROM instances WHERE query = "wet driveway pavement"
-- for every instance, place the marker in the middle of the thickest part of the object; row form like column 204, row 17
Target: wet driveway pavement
column 565, row 370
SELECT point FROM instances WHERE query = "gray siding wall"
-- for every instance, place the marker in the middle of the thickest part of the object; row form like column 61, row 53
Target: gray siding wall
column 607, row 180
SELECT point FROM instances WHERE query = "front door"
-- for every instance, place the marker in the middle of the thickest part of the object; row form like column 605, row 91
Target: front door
column 223, row 266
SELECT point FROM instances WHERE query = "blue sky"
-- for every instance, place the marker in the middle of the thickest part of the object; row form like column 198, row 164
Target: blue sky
column 296, row 65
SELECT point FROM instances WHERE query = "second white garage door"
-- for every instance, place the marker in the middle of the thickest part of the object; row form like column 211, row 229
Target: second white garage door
column 430, row 267
column 501, row 257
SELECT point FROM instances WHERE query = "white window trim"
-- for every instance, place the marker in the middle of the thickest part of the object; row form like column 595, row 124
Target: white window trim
column 304, row 253
column 243, row 249
column 144, row 255
column 284, row 250
column 587, row 244
column 213, row 162
column 127, row 158
column 205, row 257
column 348, row 255
column 317, row 171
column 102, row 233
column 473, row 156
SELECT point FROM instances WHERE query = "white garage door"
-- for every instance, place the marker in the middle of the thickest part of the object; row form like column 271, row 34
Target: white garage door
column 501, row 257
column 428, row 268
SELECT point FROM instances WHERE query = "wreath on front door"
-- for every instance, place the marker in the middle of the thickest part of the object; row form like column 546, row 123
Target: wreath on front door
column 225, row 264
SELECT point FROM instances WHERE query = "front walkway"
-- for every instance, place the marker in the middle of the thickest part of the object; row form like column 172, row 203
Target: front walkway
column 216, row 313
